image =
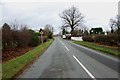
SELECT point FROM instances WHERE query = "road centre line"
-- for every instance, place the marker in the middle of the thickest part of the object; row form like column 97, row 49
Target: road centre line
column 88, row 72
column 66, row 48
column 64, row 45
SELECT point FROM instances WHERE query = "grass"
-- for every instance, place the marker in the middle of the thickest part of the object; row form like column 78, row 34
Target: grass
column 12, row 67
column 106, row 49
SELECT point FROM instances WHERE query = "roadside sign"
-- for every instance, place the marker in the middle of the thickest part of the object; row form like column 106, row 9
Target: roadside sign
column 41, row 32
column 41, row 35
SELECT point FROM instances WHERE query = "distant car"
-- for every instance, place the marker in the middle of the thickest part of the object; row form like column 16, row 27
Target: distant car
column 64, row 36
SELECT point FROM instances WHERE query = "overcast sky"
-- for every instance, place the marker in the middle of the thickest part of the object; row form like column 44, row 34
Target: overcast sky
column 38, row 14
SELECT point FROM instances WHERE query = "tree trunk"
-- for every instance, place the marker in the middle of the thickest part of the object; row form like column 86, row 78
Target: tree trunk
column 72, row 34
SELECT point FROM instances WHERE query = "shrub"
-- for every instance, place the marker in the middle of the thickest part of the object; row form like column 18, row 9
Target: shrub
column 45, row 39
column 50, row 35
column 100, row 38
column 106, row 39
column 6, row 36
column 34, row 41
column 87, row 38
column 24, row 37
column 15, row 37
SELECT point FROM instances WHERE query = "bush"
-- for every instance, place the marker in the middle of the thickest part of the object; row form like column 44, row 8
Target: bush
column 106, row 39
column 6, row 36
column 45, row 39
column 50, row 35
column 100, row 38
column 24, row 37
column 34, row 41
column 87, row 38
column 14, row 37
column 111, row 39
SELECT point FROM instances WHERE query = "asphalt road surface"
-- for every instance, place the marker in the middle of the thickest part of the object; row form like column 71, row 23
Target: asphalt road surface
column 64, row 59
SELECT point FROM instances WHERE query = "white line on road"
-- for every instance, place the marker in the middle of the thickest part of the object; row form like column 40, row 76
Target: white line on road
column 88, row 72
column 66, row 48
column 64, row 45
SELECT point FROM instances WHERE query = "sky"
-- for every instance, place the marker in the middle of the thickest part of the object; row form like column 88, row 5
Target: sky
column 36, row 14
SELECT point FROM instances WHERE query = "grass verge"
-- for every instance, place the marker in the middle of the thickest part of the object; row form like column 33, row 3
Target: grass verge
column 12, row 67
column 110, row 50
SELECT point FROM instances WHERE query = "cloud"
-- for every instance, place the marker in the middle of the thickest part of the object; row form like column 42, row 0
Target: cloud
column 38, row 14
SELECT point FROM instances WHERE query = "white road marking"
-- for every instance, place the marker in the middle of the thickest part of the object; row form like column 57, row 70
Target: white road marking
column 66, row 48
column 64, row 45
column 88, row 72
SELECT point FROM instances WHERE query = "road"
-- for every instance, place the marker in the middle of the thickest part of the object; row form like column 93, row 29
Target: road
column 64, row 59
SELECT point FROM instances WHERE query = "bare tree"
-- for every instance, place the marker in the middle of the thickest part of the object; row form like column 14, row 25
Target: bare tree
column 115, row 23
column 112, row 24
column 71, row 18
column 49, row 30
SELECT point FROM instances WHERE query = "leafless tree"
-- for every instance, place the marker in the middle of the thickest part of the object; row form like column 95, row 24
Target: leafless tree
column 6, row 36
column 115, row 23
column 71, row 18
column 14, row 37
column 49, row 27
column 48, row 30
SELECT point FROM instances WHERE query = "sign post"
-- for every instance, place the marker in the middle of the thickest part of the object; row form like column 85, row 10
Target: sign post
column 41, row 35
